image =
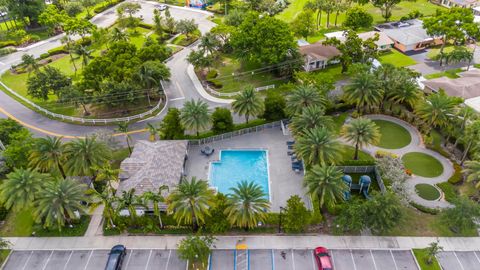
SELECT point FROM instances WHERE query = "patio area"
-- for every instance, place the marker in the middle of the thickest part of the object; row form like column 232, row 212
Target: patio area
column 284, row 182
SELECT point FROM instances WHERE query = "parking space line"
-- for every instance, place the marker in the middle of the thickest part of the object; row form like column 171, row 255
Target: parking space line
column 476, row 256
column 331, row 255
column 393, row 258
column 128, row 259
column 68, row 260
column 373, row 259
column 148, row 260
column 48, row 259
column 168, row 260
column 293, row 260
column 353, row 260
column 89, row 257
column 28, row 259
column 313, row 259
column 458, row 260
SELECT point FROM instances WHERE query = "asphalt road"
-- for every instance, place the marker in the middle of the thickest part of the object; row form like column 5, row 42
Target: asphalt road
column 263, row 259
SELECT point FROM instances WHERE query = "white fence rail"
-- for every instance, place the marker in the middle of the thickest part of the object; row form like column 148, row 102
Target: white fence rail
column 84, row 120
column 233, row 94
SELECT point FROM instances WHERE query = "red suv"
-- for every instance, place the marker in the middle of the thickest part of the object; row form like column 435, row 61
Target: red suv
column 323, row 259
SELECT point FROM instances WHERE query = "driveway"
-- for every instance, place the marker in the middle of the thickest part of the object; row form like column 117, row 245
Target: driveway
column 459, row 260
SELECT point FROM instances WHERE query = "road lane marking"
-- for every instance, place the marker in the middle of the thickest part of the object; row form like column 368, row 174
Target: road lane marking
column 180, row 98
column 46, row 263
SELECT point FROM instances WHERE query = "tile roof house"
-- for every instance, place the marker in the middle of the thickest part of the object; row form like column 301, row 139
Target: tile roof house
column 383, row 43
column 153, row 164
column 459, row 3
column 408, row 35
column 318, row 56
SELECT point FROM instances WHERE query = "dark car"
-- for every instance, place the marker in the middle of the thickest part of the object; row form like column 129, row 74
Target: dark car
column 323, row 259
column 115, row 258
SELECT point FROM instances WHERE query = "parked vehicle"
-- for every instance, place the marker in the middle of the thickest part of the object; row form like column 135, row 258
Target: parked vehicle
column 162, row 7
column 324, row 262
column 115, row 257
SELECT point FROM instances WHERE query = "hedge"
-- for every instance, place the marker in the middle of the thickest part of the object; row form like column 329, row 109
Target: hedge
column 448, row 190
column 424, row 209
column 357, row 163
column 145, row 25
column 57, row 50
column 457, row 177
column 5, row 51
column 106, row 6
column 7, row 43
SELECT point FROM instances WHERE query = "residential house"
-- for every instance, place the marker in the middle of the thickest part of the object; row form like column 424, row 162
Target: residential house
column 318, row 56
column 408, row 35
column 384, row 43
column 459, row 3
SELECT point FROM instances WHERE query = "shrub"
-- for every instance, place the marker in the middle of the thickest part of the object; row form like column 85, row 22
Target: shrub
column 106, row 5
column 212, row 74
column 5, row 51
column 457, row 176
column 357, row 162
column 216, row 83
column 7, row 43
column 382, row 153
column 217, row 222
column 448, row 190
column 427, row 210
column 222, row 121
column 297, row 216
column 57, row 50
column 73, row 8
column 145, row 25
column 44, row 55
column 3, row 213
column 274, row 106
column 357, row 18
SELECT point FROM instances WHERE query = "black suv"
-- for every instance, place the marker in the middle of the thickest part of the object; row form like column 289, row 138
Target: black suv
column 115, row 258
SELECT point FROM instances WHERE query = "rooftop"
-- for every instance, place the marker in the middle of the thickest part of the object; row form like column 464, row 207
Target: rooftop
column 383, row 38
column 467, row 86
column 319, row 51
column 407, row 32
column 153, row 164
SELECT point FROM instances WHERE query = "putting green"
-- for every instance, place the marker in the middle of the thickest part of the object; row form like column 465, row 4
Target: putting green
column 422, row 164
column 393, row 136
column 427, row 192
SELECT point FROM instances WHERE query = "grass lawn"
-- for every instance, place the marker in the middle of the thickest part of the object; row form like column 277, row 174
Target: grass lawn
column 396, row 58
column 18, row 224
column 77, row 229
column 182, row 40
column 349, row 152
column 393, row 136
column 334, row 70
column 422, row 164
column 138, row 35
column 339, row 121
column 3, row 255
column 422, row 256
column 427, row 192
column 433, row 52
column 451, row 73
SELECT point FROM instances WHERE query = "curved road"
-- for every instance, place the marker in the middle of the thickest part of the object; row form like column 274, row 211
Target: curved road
column 178, row 90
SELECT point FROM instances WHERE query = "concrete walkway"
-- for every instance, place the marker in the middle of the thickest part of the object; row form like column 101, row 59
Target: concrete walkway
column 96, row 221
column 416, row 145
column 252, row 242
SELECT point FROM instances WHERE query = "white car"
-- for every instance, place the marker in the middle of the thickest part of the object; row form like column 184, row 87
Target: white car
column 162, row 7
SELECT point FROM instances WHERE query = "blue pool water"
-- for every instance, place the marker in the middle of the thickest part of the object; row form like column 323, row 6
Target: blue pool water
column 240, row 165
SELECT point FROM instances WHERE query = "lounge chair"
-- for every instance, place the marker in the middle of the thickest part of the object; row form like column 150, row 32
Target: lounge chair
column 290, row 147
column 290, row 142
column 207, row 151
column 290, row 153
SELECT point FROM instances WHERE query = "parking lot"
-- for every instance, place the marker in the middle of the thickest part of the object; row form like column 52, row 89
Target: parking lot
column 459, row 260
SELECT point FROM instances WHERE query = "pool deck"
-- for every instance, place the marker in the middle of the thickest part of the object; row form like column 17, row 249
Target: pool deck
column 284, row 182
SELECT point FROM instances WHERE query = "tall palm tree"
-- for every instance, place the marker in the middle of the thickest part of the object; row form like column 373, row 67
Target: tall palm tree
column 318, row 146
column 68, row 43
column 304, row 96
column 107, row 199
column 21, row 188
column 48, row 155
column 130, row 201
column 123, row 128
column 472, row 170
column 117, row 35
column 191, row 201
column 84, row 53
column 84, row 155
column 155, row 198
column 248, row 103
column 361, row 132
column 30, row 63
column 436, row 110
column 195, row 115
column 108, row 174
column 247, row 205
column 153, row 130
column 326, row 183
column 58, row 201
column 471, row 137
column 312, row 116
column 465, row 114
column 209, row 43
column 364, row 91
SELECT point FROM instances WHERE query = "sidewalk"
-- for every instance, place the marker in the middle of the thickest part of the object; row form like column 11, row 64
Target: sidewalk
column 252, row 242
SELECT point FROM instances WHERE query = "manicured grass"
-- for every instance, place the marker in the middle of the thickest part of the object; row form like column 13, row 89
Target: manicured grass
column 396, row 58
column 295, row 7
column 3, row 255
column 348, row 153
column 138, row 36
column 182, row 40
column 451, row 73
column 427, row 192
column 335, row 71
column 77, row 229
column 393, row 136
column 422, row 164
column 422, row 256
column 339, row 121
column 18, row 224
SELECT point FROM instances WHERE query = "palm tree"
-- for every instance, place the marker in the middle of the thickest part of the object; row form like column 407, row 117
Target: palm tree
column 364, row 91
column 20, row 188
column 191, row 201
column 248, row 103
column 48, row 155
column 318, row 145
column 155, row 198
column 247, row 205
column 304, row 96
column 84, row 53
column 153, row 130
column 195, row 115
column 130, row 201
column 58, row 202
column 437, row 110
column 471, row 137
column 361, row 132
column 326, row 183
column 209, row 43
column 107, row 173
column 465, row 114
column 117, row 35
column 28, row 60
column 69, row 46
column 311, row 117
column 107, row 199
column 84, row 155
column 123, row 128
column 472, row 170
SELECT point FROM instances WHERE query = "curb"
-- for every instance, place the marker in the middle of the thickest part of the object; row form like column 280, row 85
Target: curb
column 198, row 86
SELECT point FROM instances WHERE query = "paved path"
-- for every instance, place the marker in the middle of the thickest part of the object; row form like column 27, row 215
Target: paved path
column 416, row 145
column 252, row 241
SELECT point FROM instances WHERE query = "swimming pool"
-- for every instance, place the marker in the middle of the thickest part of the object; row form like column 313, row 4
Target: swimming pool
column 235, row 166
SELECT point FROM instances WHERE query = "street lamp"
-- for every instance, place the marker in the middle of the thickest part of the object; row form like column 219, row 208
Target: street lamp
column 280, row 220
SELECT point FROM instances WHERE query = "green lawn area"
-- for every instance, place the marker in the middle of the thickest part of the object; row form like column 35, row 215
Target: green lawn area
column 348, row 153
column 396, row 58
column 3, row 255
column 422, row 164
column 77, row 229
column 451, row 73
column 422, row 255
column 138, row 36
column 339, row 121
column 393, row 136
column 334, row 70
column 18, row 224
column 427, row 192
column 433, row 52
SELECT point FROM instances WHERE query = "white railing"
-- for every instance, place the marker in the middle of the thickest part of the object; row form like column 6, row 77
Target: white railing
column 85, row 120
column 233, row 94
